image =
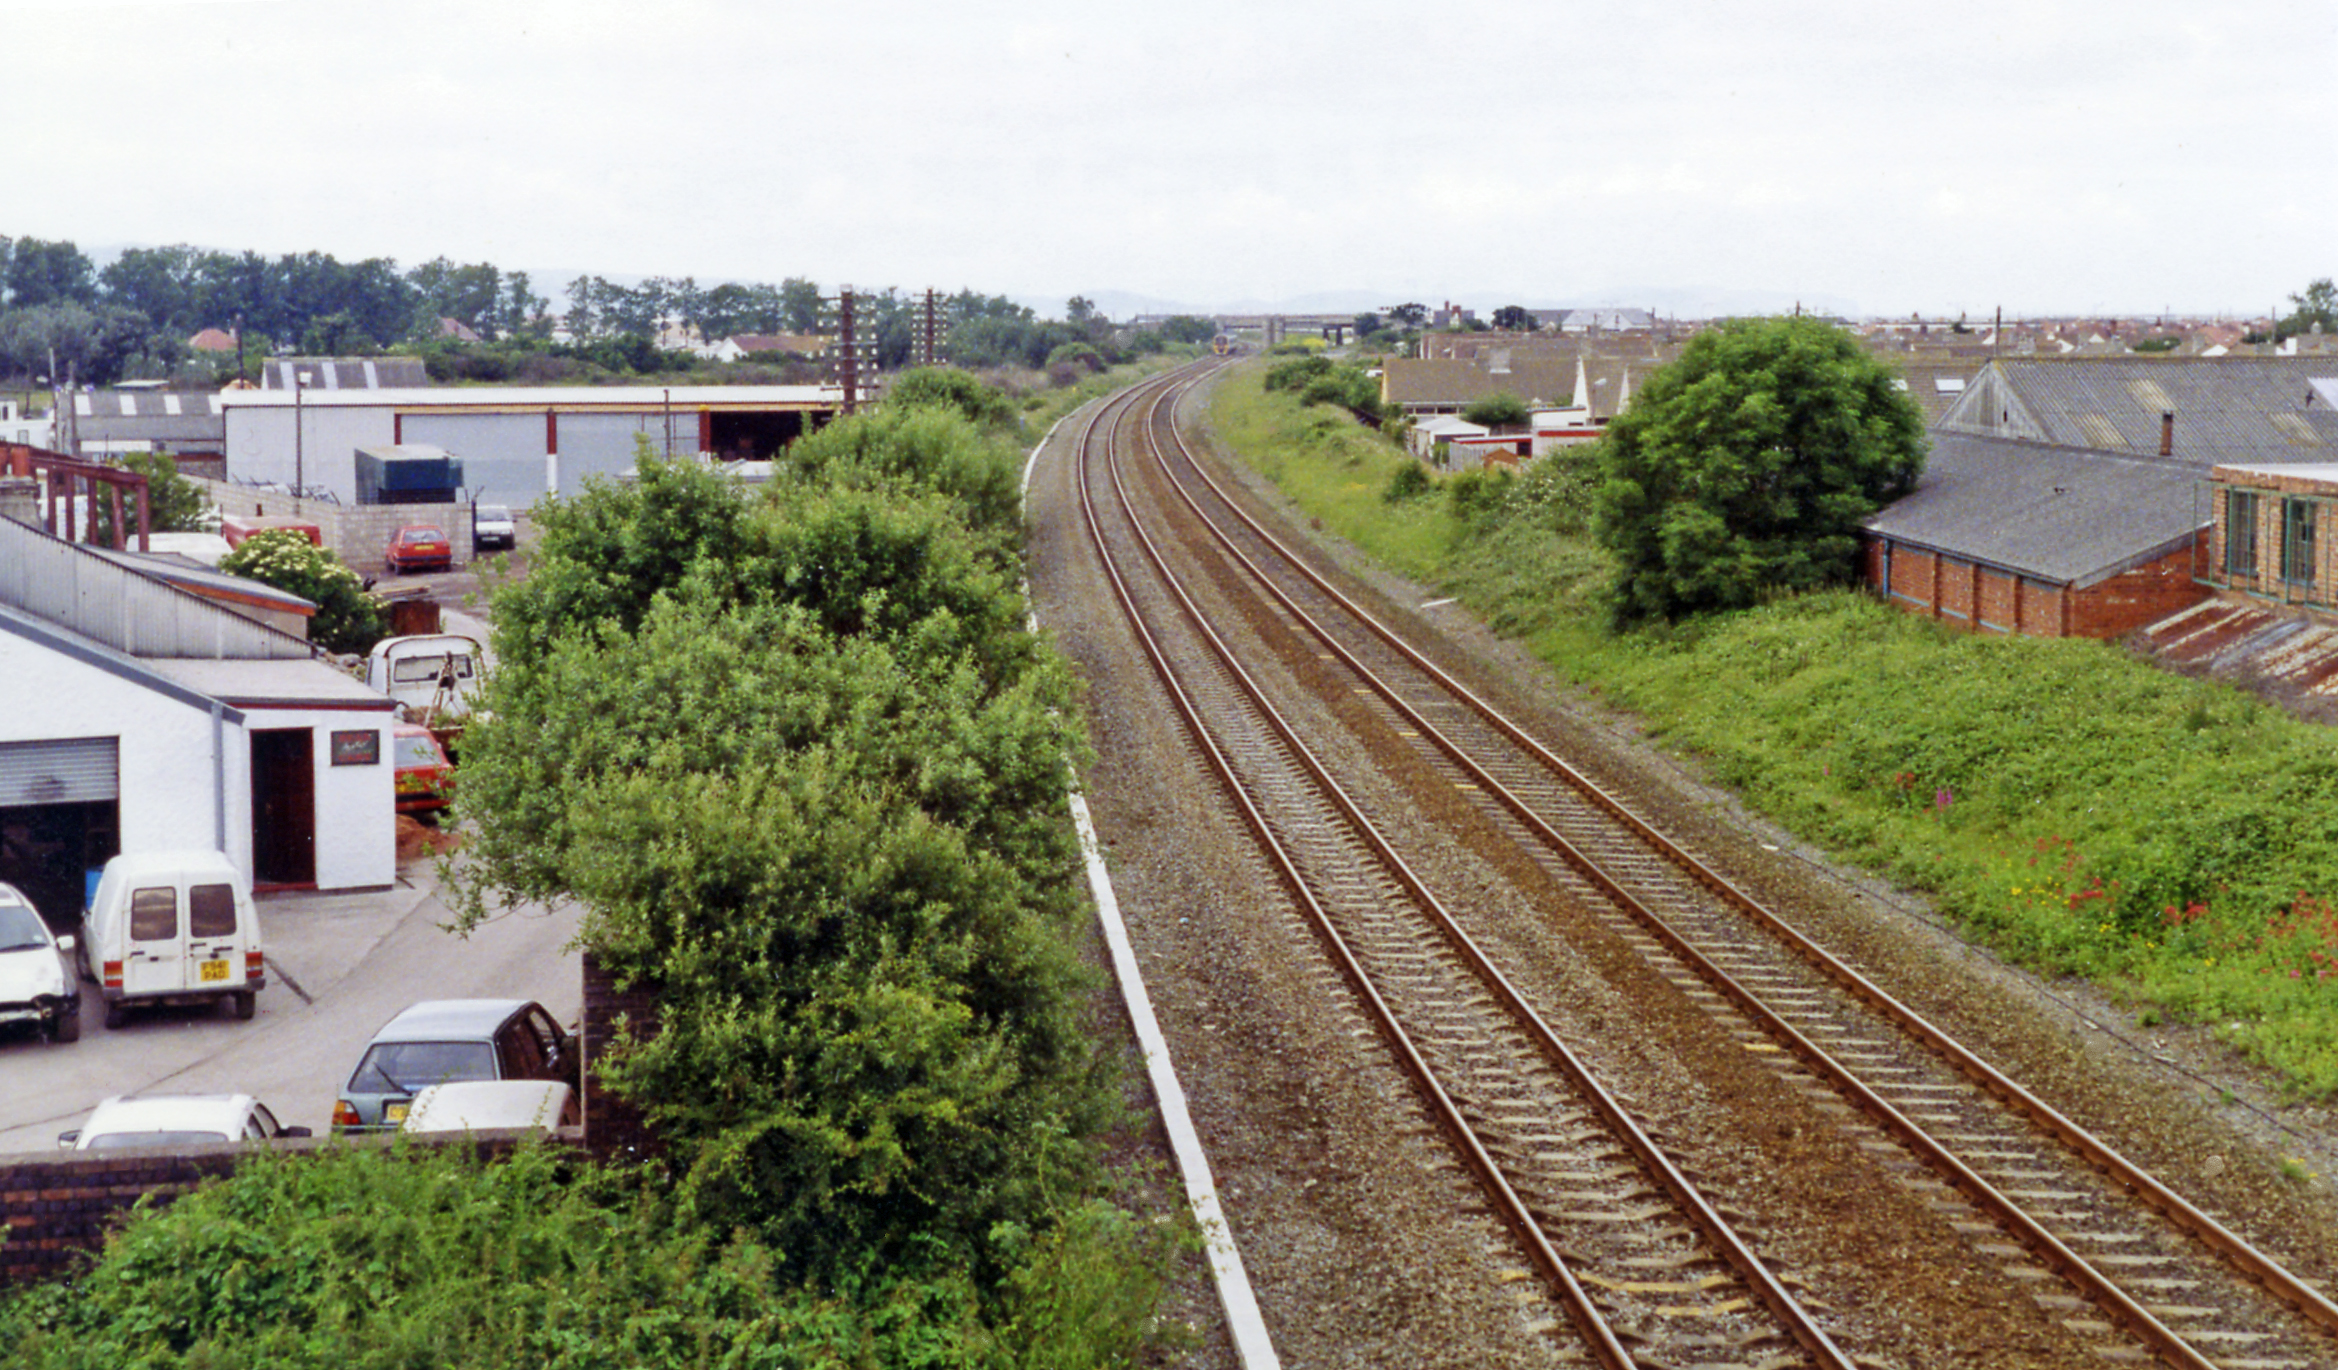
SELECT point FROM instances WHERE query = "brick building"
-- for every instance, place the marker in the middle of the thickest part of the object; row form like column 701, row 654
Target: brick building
column 2023, row 537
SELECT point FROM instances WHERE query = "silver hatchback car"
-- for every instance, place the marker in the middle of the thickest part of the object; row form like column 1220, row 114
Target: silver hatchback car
column 439, row 1041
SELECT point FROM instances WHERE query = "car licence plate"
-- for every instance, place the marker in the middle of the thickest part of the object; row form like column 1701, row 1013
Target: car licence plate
column 213, row 970
column 394, row 1113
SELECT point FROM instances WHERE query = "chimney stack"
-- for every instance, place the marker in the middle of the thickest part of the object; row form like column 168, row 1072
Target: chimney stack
column 2167, row 433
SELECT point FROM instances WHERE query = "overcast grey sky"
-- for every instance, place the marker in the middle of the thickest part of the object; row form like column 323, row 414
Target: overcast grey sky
column 2082, row 155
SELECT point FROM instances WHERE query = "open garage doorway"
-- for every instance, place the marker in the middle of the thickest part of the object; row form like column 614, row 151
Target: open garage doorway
column 284, row 808
column 751, row 436
column 59, row 819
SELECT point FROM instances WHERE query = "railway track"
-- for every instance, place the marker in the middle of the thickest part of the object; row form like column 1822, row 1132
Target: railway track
column 1643, row 1267
column 2122, row 1262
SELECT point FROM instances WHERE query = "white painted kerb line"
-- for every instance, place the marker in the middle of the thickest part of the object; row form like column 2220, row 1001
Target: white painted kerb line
column 1243, row 1320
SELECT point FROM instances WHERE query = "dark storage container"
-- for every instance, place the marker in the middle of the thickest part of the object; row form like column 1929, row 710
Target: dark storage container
column 410, row 473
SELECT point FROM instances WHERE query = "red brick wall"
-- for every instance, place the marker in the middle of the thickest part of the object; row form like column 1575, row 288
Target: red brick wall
column 1955, row 595
column 2131, row 599
column 612, row 1126
column 2000, row 601
column 1949, row 589
column 1912, row 573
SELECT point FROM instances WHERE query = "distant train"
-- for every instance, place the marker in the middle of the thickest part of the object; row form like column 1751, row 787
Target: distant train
column 1224, row 345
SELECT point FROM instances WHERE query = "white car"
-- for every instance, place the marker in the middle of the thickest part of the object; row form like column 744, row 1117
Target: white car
column 176, row 1120
column 37, row 985
column 491, row 1106
column 492, row 526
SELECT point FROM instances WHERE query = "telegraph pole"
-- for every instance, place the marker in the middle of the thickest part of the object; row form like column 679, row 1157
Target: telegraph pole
column 848, row 361
column 931, row 329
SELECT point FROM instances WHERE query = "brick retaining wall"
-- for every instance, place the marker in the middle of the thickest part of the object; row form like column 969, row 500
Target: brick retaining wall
column 56, row 1206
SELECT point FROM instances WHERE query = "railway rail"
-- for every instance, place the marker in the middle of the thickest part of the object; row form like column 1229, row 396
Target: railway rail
column 2125, row 1263
column 1561, row 1159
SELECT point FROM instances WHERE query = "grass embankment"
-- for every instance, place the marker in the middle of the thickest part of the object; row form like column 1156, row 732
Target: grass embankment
column 2079, row 811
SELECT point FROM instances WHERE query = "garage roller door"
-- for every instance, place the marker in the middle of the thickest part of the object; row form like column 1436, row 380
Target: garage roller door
column 77, row 771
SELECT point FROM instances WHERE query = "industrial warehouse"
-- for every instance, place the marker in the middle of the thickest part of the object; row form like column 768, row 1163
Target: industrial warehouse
column 515, row 444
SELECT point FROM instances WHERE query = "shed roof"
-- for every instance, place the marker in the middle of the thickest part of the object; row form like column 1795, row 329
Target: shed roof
column 209, row 582
column 124, row 607
column 308, row 684
column 2226, row 408
column 565, row 399
column 344, row 373
column 67, row 643
column 2060, row 514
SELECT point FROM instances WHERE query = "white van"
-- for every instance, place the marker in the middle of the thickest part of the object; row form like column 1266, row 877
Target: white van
column 172, row 928
column 432, row 674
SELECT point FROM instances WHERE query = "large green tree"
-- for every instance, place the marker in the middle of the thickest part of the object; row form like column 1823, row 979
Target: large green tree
column 40, row 272
column 1745, row 468
column 804, row 767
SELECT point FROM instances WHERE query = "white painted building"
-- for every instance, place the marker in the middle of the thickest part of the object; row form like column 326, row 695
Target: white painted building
column 141, row 717
column 28, row 432
column 516, row 443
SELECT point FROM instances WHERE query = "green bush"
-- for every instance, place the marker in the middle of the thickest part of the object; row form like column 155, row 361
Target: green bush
column 347, row 619
column 1298, row 373
column 806, row 770
column 1409, row 481
column 950, row 388
column 355, row 1259
column 1498, row 410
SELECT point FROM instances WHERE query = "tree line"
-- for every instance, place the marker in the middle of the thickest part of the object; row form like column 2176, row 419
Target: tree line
column 63, row 316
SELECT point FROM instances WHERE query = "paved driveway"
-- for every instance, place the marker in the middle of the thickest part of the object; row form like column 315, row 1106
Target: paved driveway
column 340, row 966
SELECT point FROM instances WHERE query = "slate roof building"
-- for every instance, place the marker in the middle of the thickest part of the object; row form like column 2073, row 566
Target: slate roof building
column 184, row 423
column 2225, row 408
column 2021, row 537
column 2092, row 496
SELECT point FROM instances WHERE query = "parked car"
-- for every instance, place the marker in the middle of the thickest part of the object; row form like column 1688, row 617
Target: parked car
column 36, row 986
column 173, row 927
column 492, row 1105
column 176, row 1120
column 492, row 527
column 439, row 1041
column 419, row 547
column 426, row 779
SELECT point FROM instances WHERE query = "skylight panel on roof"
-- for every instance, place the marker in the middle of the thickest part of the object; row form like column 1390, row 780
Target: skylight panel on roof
column 2100, row 432
column 170, row 405
column 1948, row 385
column 2151, row 395
column 2295, row 428
column 129, row 406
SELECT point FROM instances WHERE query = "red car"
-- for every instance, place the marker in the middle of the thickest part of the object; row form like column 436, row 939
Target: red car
column 425, row 777
column 420, row 547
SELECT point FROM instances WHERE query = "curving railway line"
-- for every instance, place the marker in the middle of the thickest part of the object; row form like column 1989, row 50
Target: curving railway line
column 1439, row 854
